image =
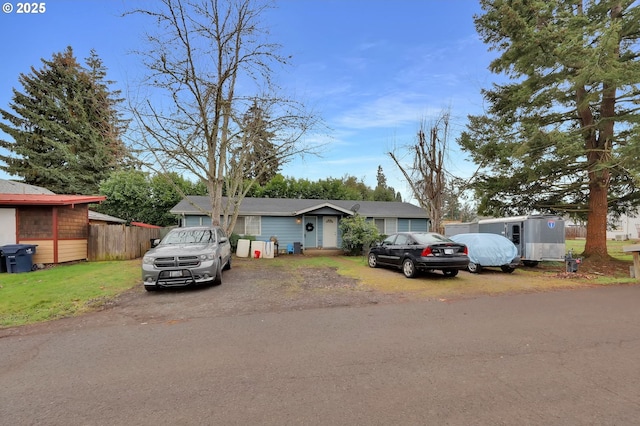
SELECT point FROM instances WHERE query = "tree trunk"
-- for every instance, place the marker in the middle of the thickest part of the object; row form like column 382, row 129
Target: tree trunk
column 596, row 244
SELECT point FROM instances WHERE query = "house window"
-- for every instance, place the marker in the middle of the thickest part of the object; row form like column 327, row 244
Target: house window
column 417, row 225
column 239, row 226
column 388, row 225
column 252, row 225
column 248, row 225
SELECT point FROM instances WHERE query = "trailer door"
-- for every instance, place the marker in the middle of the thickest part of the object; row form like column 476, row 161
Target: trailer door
column 513, row 231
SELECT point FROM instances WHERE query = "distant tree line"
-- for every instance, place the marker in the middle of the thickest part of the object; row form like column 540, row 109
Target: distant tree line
column 134, row 195
column 345, row 188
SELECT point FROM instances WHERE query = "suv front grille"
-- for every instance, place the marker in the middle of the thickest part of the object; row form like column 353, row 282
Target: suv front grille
column 176, row 262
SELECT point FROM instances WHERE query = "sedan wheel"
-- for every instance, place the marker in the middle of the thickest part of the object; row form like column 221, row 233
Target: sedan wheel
column 474, row 268
column 450, row 272
column 373, row 260
column 508, row 269
column 409, row 268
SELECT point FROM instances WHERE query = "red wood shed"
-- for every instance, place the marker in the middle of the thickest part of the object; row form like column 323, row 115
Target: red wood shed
column 57, row 224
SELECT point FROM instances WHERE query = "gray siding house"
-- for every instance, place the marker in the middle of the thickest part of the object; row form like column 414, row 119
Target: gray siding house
column 312, row 223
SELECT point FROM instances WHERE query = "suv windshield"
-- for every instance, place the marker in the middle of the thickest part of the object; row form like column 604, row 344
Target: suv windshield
column 189, row 237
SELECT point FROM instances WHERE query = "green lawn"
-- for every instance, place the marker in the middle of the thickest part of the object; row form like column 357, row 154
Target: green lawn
column 62, row 291
column 614, row 248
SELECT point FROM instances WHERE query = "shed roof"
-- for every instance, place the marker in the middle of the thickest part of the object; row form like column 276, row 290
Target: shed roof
column 199, row 205
column 48, row 199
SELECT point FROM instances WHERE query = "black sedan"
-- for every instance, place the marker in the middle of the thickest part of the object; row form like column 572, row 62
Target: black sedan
column 420, row 251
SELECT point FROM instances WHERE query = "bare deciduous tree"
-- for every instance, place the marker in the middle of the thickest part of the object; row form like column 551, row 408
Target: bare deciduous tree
column 209, row 63
column 426, row 175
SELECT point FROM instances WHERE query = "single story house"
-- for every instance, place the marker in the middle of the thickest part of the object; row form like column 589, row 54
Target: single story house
column 312, row 223
column 57, row 224
column 623, row 228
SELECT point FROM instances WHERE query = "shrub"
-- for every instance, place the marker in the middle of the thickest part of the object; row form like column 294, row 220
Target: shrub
column 233, row 240
column 358, row 234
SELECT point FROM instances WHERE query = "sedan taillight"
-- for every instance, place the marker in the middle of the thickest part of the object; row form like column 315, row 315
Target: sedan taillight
column 426, row 252
column 466, row 250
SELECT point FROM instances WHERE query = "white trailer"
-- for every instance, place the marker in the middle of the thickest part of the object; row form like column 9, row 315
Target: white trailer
column 537, row 237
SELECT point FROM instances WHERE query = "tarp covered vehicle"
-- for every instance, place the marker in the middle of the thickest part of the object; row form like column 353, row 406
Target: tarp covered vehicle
column 489, row 250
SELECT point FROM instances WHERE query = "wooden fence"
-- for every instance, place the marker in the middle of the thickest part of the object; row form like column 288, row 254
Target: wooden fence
column 120, row 242
column 575, row 231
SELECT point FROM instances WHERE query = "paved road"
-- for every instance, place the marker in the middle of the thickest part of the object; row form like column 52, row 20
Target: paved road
column 558, row 358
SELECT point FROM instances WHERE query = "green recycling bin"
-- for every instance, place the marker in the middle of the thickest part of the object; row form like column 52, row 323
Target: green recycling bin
column 18, row 257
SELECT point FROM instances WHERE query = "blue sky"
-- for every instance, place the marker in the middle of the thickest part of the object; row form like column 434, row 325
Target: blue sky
column 372, row 69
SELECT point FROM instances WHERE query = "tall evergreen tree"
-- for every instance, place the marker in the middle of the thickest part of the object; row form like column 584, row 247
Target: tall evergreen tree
column 563, row 134
column 109, row 118
column 382, row 191
column 65, row 131
column 253, row 152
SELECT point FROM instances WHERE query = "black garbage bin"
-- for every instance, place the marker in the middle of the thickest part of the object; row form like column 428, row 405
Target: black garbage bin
column 18, row 257
column 297, row 248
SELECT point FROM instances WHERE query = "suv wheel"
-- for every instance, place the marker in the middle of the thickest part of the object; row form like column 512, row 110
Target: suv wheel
column 217, row 280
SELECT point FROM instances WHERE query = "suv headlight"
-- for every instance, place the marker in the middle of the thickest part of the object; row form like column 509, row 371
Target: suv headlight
column 206, row 256
column 148, row 260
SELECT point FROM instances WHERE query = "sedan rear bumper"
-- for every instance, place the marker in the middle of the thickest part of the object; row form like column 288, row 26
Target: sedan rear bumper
column 436, row 262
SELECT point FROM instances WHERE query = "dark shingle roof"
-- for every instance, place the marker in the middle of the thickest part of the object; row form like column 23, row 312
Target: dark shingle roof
column 198, row 205
column 13, row 187
column 104, row 217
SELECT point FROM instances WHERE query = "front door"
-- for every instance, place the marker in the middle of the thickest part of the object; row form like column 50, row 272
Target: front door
column 310, row 232
column 330, row 231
